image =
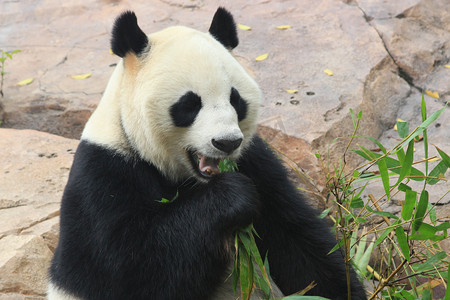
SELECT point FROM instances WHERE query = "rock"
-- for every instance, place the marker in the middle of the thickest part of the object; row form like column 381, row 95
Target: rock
column 33, row 174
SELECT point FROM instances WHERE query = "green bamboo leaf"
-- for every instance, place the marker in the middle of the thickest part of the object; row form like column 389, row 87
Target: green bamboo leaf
column 421, row 210
column 422, row 126
column 392, row 164
column 407, row 163
column 385, row 233
column 337, row 246
column 324, row 213
column 433, row 261
column 447, row 292
column 432, row 213
column 402, row 129
column 382, row 213
column 360, row 115
column 423, row 109
column 245, row 274
column 438, row 171
column 444, row 156
column 401, row 156
column 377, row 143
column 402, row 241
column 384, row 176
column 408, row 206
column 304, row 298
column 403, row 187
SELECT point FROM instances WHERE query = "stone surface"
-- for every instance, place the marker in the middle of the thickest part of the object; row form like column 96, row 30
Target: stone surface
column 33, row 171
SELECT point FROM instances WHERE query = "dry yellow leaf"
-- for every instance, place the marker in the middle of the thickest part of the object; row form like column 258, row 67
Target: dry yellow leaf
column 292, row 91
column 328, row 72
column 432, row 94
column 262, row 57
column 111, row 52
column 283, row 27
column 244, row 27
column 26, row 81
column 81, row 76
column 447, row 66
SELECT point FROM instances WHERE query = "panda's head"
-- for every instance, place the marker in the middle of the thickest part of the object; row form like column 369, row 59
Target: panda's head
column 178, row 98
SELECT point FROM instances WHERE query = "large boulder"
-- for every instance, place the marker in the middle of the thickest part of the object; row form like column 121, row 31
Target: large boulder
column 33, row 172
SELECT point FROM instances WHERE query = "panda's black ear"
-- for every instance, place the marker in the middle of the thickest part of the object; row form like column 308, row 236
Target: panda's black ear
column 223, row 28
column 127, row 36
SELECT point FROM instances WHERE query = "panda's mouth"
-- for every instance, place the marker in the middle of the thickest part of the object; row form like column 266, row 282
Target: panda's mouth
column 205, row 166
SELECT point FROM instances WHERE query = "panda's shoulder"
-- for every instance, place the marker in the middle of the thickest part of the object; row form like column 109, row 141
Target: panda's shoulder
column 109, row 168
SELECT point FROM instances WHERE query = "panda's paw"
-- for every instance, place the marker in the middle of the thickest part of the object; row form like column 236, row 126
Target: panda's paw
column 238, row 199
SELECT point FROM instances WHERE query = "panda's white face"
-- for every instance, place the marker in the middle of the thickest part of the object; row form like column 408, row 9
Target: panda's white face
column 184, row 104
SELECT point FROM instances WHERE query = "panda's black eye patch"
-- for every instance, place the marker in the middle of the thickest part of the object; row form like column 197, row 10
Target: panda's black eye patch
column 239, row 104
column 186, row 109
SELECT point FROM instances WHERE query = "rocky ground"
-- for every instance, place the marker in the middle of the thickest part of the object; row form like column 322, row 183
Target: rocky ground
column 382, row 55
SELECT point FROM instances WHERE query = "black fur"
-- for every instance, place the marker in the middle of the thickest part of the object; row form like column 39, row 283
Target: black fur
column 223, row 28
column 239, row 104
column 186, row 109
column 118, row 242
column 127, row 36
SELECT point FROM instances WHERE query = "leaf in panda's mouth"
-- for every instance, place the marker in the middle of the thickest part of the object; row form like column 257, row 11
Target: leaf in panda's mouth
column 208, row 165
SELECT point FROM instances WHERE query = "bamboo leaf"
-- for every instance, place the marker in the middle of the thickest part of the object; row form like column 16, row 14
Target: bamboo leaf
column 262, row 57
column 444, row 157
column 385, row 233
column 283, row 27
column 402, row 242
column 382, row 213
column 26, row 81
column 408, row 206
column 430, row 263
column 384, row 176
column 421, row 210
column 422, row 126
column 403, row 129
column 407, row 163
column 328, row 72
column 244, row 27
column 81, row 76
column 438, row 171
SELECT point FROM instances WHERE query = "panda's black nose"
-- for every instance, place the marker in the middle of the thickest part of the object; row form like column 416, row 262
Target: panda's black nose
column 226, row 145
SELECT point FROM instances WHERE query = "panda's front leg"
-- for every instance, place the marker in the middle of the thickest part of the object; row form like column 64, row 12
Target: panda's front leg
column 296, row 240
column 197, row 236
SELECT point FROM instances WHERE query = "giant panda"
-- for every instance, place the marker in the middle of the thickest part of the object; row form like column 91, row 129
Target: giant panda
column 176, row 105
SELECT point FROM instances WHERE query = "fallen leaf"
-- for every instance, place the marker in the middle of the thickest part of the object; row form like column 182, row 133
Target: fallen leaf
column 292, row 91
column 447, row 66
column 111, row 52
column 283, row 27
column 26, row 81
column 328, row 72
column 432, row 94
column 262, row 57
column 81, row 76
column 398, row 120
column 244, row 27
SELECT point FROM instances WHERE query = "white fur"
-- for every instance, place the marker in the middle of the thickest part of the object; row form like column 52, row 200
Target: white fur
column 142, row 89
column 55, row 293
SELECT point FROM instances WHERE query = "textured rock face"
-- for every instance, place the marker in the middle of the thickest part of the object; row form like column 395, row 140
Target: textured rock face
column 382, row 55
column 33, row 171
